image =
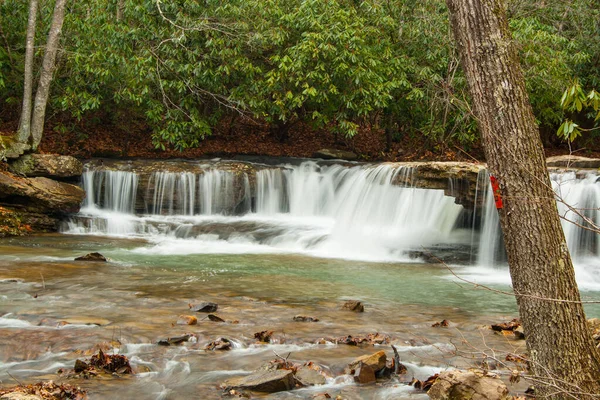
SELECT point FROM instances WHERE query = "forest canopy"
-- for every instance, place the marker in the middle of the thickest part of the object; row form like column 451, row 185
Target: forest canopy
column 181, row 66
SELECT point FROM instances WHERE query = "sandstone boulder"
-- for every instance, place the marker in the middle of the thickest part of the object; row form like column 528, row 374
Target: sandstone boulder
column 269, row 381
column 376, row 361
column 459, row 385
column 41, row 195
column 334, row 154
column 47, row 165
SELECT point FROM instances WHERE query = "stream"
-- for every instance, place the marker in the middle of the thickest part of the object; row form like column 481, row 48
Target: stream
column 307, row 239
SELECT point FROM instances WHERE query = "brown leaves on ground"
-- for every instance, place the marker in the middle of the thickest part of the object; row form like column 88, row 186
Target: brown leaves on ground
column 49, row 391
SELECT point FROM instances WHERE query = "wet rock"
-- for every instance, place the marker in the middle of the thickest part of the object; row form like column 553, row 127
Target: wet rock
column 304, row 318
column 423, row 385
column 269, row 381
column 364, row 374
column 334, row 154
column 187, row 320
column 219, row 344
column 111, row 363
column 309, row 376
column 188, row 337
column 353, row 305
column 92, row 257
column 264, row 336
column 214, row 318
column 367, row 340
column 459, row 385
column 375, row 361
column 507, row 326
column 47, row 165
column 80, row 366
column 205, row 306
column 40, row 195
column 512, row 328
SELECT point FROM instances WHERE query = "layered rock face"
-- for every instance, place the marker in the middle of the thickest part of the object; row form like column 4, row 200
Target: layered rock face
column 31, row 200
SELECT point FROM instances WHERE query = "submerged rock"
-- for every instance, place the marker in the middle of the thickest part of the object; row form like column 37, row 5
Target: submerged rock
column 353, row 305
column 92, row 257
column 188, row 337
column 460, row 385
column 269, row 381
column 305, row 318
column 205, row 306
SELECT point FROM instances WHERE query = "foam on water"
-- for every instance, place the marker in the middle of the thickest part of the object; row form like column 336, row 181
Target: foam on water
column 367, row 213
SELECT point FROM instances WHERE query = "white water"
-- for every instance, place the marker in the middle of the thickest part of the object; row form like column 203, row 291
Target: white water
column 358, row 213
column 578, row 199
column 327, row 211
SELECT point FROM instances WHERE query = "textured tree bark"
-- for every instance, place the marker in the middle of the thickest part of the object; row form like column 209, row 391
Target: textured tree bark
column 48, row 67
column 560, row 345
column 25, row 122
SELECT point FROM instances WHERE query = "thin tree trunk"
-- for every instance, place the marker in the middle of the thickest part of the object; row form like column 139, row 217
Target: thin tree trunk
column 560, row 345
column 48, row 67
column 25, row 123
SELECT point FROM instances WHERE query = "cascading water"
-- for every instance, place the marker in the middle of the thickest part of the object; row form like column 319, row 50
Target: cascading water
column 578, row 201
column 359, row 212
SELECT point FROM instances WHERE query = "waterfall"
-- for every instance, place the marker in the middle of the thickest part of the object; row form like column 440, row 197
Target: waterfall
column 579, row 205
column 578, row 202
column 367, row 212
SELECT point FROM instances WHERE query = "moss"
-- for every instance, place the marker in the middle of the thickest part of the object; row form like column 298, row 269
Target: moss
column 10, row 224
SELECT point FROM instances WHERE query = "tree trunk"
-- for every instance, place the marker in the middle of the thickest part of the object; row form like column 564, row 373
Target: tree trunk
column 25, row 123
column 560, row 345
column 48, row 67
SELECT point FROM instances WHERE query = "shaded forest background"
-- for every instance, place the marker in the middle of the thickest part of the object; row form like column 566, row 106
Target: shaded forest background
column 285, row 77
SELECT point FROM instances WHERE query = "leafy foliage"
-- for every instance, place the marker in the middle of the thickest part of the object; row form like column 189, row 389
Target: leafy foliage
column 574, row 101
column 181, row 66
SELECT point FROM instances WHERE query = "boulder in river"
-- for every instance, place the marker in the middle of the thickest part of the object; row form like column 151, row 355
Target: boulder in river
column 92, row 257
column 205, row 306
column 375, row 361
column 307, row 375
column 459, row 385
column 363, row 373
column 353, row 305
column 269, row 381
